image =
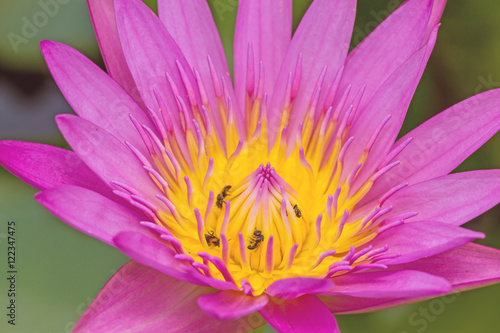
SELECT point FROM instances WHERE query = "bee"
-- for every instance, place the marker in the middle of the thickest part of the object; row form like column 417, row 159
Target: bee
column 211, row 239
column 222, row 196
column 258, row 237
column 297, row 211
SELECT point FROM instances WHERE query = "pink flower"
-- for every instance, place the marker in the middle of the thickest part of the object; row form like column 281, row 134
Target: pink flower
column 286, row 195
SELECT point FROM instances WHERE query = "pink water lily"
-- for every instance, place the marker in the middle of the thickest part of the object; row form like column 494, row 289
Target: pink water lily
column 285, row 197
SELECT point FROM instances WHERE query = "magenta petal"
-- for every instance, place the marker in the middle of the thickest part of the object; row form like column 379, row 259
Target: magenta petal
column 386, row 48
column 44, row 167
column 427, row 239
column 322, row 39
column 228, row 304
column 151, row 53
column 440, row 144
column 393, row 98
column 298, row 286
column 93, row 94
column 162, row 258
column 266, row 26
column 455, row 199
column 303, row 314
column 467, row 267
column 102, row 13
column 91, row 213
column 105, row 155
column 408, row 284
column 140, row 299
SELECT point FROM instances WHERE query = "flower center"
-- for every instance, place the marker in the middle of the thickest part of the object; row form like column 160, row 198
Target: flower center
column 240, row 206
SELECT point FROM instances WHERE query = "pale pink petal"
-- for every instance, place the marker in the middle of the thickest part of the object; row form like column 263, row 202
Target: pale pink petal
column 467, row 267
column 440, row 144
column 229, row 304
column 297, row 286
column 102, row 14
column 406, row 283
column 322, row 39
column 427, row 239
column 386, row 48
column 140, row 299
column 191, row 25
column 161, row 257
column 304, row 314
column 266, row 27
column 393, row 98
column 105, row 155
column 44, row 167
column 151, row 53
column 91, row 213
column 437, row 11
column 93, row 94
column 455, row 199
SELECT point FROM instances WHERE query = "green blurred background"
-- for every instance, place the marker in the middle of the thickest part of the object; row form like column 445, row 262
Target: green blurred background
column 61, row 270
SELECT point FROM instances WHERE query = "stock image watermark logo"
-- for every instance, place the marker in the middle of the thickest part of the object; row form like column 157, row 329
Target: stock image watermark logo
column 30, row 25
column 486, row 83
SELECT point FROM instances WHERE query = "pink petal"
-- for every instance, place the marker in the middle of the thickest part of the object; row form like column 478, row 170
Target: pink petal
column 322, row 39
column 393, row 98
column 105, row 155
column 44, row 167
column 407, row 283
column 91, row 212
column 467, row 267
column 151, row 53
column 386, row 48
column 192, row 27
column 303, row 314
column 93, row 94
column 140, row 299
column 228, row 304
column 340, row 304
column 440, row 144
column 162, row 258
column 267, row 27
column 297, row 286
column 454, row 199
column 102, row 14
column 426, row 239
column 437, row 11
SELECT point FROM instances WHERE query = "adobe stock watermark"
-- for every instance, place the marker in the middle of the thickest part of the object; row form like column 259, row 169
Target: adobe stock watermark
column 420, row 319
column 486, row 83
column 221, row 7
column 31, row 25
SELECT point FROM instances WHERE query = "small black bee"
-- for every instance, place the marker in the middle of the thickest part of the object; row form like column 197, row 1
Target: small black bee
column 212, row 240
column 297, row 211
column 222, row 196
column 258, row 237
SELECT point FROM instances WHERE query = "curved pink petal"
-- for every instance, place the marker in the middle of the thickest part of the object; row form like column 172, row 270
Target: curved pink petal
column 91, row 213
column 322, row 39
column 229, row 304
column 93, row 94
column 105, row 155
column 393, row 98
column 140, row 299
column 427, row 239
column 455, row 199
column 161, row 257
column 266, row 26
column 297, row 286
column 44, row 167
column 102, row 13
column 440, row 144
column 151, row 54
column 304, row 314
column 191, row 25
column 386, row 48
column 437, row 11
column 467, row 267
column 399, row 284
